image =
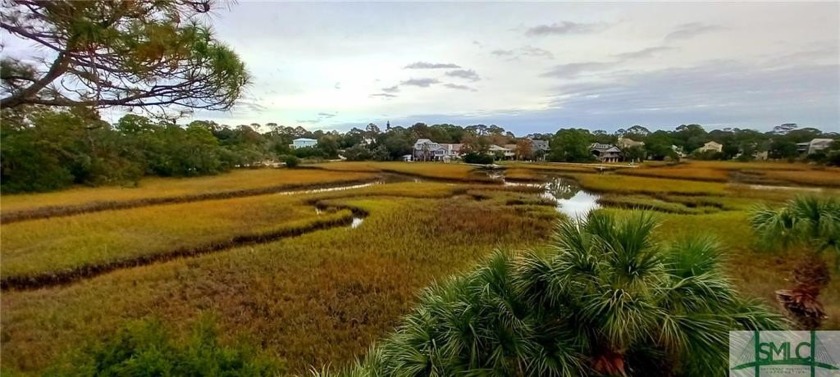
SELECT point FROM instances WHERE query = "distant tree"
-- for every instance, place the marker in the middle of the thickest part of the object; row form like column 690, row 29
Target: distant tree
column 782, row 148
column 524, row 150
column 328, row 144
column 658, row 145
column 635, row 153
column 601, row 136
column 690, row 137
column 783, row 129
column 571, row 145
column 358, row 153
column 125, row 53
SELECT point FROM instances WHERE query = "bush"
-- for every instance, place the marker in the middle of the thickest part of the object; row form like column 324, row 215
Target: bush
column 144, row 348
column 478, row 158
column 291, row 162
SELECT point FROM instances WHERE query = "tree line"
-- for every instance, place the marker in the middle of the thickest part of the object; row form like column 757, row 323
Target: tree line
column 48, row 148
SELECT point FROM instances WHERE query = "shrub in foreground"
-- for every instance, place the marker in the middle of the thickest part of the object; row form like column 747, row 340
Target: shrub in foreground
column 144, row 348
column 604, row 299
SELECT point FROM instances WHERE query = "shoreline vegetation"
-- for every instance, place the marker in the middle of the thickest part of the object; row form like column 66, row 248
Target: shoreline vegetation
column 271, row 253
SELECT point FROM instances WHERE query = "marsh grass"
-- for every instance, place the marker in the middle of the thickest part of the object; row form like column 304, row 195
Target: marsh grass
column 318, row 298
column 155, row 191
column 452, row 172
column 323, row 297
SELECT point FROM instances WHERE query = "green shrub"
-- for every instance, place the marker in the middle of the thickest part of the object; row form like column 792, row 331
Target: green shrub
column 478, row 158
column 291, row 161
column 145, row 348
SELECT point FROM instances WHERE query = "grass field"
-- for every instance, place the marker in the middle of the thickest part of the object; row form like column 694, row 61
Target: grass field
column 234, row 184
column 454, row 172
column 325, row 295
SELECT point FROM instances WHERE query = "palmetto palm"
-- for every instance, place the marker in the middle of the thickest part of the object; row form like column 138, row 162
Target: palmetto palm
column 604, row 299
column 815, row 223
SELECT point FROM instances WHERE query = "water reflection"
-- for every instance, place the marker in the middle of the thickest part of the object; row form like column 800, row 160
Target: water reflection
column 571, row 199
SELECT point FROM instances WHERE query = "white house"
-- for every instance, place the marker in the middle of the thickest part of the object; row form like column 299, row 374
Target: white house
column 427, row 150
column 814, row 146
column 303, row 143
column 711, row 146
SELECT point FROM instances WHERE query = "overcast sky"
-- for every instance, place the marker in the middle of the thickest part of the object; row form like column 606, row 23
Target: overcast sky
column 536, row 67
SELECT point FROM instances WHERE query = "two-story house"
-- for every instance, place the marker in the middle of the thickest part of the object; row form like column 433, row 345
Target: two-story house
column 303, row 143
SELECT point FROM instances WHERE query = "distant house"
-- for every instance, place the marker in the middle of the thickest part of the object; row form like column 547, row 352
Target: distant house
column 711, row 146
column 427, row 150
column 303, row 143
column 505, row 152
column 625, row 143
column 452, row 151
column 813, row 146
column 407, row 158
column 539, row 145
column 605, row 152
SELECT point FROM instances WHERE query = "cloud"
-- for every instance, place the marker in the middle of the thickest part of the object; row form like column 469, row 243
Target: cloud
column 502, row 52
column 250, row 105
column 563, row 28
column 326, row 115
column 468, row 74
column 715, row 92
column 524, row 51
column 422, row 83
column 392, row 89
column 425, row 65
column 536, row 52
column 383, row 95
column 690, row 30
column 459, row 87
column 644, row 53
column 337, row 85
column 571, row 70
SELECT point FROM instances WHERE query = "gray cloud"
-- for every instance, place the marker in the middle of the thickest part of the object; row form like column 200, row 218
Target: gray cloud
column 423, row 83
column 690, row 30
column 572, row 70
column 536, row 52
column 643, row 53
column 468, row 74
column 326, row 115
column 383, row 95
column 426, row 65
column 716, row 92
column 563, row 28
column 391, row 89
column 459, row 87
column 502, row 52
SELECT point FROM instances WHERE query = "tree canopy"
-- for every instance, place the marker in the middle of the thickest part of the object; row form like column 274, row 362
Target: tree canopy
column 119, row 53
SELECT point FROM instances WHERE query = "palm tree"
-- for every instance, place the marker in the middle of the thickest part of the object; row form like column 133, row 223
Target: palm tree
column 812, row 222
column 604, row 299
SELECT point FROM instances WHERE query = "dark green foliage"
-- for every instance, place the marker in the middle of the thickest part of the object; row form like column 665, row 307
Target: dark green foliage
column 604, row 299
column 571, row 145
column 45, row 149
column 134, row 54
column 477, row 158
column 145, row 348
column 291, row 161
